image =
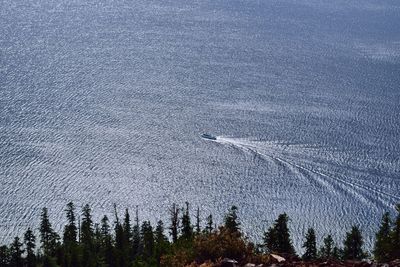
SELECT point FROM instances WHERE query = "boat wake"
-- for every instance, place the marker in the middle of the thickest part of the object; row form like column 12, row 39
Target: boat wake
column 270, row 150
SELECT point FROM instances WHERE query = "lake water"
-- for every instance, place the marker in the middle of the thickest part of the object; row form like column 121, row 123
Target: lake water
column 104, row 102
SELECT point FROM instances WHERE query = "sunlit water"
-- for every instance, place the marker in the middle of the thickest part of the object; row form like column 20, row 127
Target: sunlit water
column 104, row 102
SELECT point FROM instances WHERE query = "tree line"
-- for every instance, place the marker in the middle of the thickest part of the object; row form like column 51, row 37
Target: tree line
column 126, row 242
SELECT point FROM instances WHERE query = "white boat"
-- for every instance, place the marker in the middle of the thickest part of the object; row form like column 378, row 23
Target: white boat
column 208, row 136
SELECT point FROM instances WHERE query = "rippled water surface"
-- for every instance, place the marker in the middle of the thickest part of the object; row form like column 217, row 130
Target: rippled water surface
column 103, row 102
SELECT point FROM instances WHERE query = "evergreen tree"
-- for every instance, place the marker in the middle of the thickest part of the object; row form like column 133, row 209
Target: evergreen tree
column 187, row 229
column 136, row 241
column 326, row 251
column 147, row 239
column 209, row 224
column 277, row 238
column 127, row 238
column 231, row 220
column 48, row 237
column 127, row 228
column 87, row 227
column 70, row 238
column 270, row 240
column 4, row 256
column 98, row 251
column 29, row 240
column 174, row 213
column 87, row 237
column 49, row 261
column 106, row 247
column 382, row 247
column 198, row 230
column 161, row 242
column 120, row 258
column 16, row 251
column 310, row 246
column 353, row 243
column 105, row 227
column 395, row 236
column 70, row 230
column 337, row 253
column 159, row 233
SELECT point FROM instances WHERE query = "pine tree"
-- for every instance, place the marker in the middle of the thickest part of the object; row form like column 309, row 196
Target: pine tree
column 87, row 237
column 187, row 229
column 159, row 233
column 127, row 238
column 4, row 256
column 136, row 241
column 353, row 243
column 161, row 242
column 29, row 241
column 231, row 221
column 198, row 230
column 120, row 259
column 70, row 230
column 16, row 253
column 270, row 240
column 383, row 242
column 70, row 238
column 97, row 246
column 209, row 224
column 326, row 251
column 48, row 237
column 147, row 239
column 87, row 227
column 127, row 228
column 310, row 245
column 337, row 253
column 174, row 213
column 395, row 236
column 277, row 238
column 105, row 227
column 106, row 247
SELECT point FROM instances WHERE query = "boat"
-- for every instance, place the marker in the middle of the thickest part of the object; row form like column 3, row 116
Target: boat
column 208, row 136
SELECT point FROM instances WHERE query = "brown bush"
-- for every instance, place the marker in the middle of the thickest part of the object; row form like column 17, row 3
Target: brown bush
column 222, row 244
column 179, row 258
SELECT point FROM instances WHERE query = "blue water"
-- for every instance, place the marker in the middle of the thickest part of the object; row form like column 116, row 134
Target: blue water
column 104, row 102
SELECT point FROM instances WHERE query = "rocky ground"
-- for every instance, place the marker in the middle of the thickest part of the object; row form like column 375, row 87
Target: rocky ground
column 273, row 263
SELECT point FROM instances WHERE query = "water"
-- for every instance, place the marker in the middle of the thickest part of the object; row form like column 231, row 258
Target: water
column 104, row 102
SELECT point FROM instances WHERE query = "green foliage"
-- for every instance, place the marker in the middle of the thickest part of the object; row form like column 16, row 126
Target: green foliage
column 161, row 242
column 395, row 236
column 48, row 237
column 231, row 220
column 221, row 244
column 310, row 246
column 124, row 245
column 198, row 230
column 326, row 251
column 29, row 241
column 4, row 256
column 127, row 229
column 209, row 225
column 277, row 238
column 70, row 230
column 87, row 227
column 136, row 241
column 352, row 246
column 337, row 253
column 187, row 228
column 146, row 232
column 49, row 261
column 174, row 216
column 382, row 247
column 16, row 253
